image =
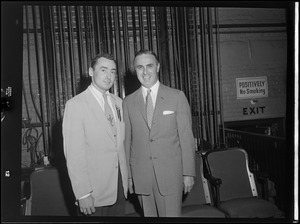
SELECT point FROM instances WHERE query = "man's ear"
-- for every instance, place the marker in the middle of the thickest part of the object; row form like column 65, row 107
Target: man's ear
column 158, row 66
column 91, row 71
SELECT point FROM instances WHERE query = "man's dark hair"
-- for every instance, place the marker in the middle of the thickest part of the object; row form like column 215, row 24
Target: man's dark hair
column 145, row 51
column 102, row 55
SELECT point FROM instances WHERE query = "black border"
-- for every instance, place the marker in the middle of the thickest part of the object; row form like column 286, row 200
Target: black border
column 11, row 75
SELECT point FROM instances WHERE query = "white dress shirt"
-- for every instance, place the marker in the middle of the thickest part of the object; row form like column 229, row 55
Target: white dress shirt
column 153, row 93
column 99, row 97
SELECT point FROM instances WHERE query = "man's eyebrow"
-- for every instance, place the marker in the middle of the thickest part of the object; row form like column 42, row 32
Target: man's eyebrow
column 107, row 68
column 146, row 64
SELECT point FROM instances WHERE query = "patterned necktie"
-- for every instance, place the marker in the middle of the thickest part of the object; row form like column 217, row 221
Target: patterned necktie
column 109, row 115
column 149, row 108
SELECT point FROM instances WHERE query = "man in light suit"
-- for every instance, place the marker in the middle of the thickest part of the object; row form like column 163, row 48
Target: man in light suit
column 161, row 154
column 94, row 143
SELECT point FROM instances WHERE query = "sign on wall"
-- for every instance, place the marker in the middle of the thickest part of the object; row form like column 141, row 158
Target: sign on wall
column 252, row 87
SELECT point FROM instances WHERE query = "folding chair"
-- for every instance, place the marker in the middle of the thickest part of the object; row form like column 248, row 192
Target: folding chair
column 197, row 203
column 236, row 193
column 47, row 195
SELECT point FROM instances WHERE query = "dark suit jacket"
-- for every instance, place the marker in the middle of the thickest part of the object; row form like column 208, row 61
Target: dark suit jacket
column 169, row 146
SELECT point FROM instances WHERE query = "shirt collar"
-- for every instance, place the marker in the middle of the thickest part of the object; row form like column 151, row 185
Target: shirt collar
column 154, row 89
column 97, row 92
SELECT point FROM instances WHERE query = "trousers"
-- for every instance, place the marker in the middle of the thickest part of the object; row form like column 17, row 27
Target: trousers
column 118, row 208
column 158, row 205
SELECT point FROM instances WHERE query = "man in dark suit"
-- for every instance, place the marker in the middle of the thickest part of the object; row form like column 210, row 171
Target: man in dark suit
column 159, row 142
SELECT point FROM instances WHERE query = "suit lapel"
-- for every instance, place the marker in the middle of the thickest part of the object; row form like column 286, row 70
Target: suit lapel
column 140, row 104
column 160, row 102
column 98, row 112
column 117, row 121
column 159, row 105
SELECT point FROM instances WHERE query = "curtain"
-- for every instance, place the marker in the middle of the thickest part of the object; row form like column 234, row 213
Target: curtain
column 59, row 42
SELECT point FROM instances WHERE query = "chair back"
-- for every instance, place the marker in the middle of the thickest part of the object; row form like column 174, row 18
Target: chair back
column 231, row 166
column 200, row 193
column 47, row 196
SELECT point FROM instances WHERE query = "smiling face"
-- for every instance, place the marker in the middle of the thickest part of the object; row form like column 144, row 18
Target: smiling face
column 103, row 74
column 147, row 68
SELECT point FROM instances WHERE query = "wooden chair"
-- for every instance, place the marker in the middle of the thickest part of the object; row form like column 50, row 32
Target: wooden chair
column 198, row 203
column 235, row 193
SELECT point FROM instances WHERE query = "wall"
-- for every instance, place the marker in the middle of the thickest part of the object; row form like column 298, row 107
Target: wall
column 254, row 45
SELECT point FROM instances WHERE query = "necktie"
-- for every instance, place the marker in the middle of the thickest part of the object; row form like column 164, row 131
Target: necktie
column 149, row 108
column 109, row 115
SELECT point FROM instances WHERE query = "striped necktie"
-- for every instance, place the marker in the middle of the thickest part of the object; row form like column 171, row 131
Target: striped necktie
column 109, row 115
column 149, row 107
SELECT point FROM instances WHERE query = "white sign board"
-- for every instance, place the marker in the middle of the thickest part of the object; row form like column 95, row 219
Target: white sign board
column 251, row 88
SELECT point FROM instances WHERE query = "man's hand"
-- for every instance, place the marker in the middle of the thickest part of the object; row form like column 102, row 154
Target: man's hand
column 130, row 186
column 86, row 205
column 188, row 183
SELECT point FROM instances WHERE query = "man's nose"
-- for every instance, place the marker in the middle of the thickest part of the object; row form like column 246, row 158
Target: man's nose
column 108, row 74
column 144, row 71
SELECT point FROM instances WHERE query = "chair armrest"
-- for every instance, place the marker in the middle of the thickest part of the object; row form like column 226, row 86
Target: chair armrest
column 260, row 175
column 207, row 174
column 216, row 183
column 26, row 190
column 25, row 196
column 262, row 179
column 213, row 180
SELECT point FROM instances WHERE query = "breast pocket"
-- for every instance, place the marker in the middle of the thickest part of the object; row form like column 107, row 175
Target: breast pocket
column 168, row 121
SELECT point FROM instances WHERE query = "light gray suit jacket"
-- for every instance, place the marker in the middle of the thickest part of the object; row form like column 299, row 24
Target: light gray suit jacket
column 169, row 146
column 91, row 152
